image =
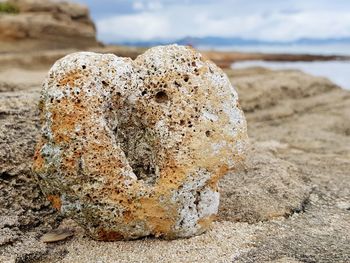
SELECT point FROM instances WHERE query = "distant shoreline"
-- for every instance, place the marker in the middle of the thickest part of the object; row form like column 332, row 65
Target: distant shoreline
column 224, row 59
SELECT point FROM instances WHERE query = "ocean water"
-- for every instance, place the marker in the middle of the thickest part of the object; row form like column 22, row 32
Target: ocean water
column 325, row 49
column 336, row 71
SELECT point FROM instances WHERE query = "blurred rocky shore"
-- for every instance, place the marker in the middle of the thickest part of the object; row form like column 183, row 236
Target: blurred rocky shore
column 36, row 25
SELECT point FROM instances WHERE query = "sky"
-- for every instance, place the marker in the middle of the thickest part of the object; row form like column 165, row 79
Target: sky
column 271, row 20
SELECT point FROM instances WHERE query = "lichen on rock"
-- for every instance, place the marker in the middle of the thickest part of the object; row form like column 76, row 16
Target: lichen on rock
column 131, row 148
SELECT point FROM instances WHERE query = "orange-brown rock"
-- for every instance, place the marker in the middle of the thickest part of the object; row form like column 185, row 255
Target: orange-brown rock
column 136, row 148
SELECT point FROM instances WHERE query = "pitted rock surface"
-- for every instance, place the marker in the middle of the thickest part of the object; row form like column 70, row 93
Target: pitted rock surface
column 136, row 148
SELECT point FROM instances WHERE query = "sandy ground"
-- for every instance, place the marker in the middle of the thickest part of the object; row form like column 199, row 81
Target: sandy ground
column 289, row 203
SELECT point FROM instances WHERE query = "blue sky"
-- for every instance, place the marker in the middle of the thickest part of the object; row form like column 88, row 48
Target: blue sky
column 274, row 20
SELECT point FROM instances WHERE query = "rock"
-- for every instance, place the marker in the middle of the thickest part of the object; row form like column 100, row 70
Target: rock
column 56, row 235
column 267, row 188
column 18, row 131
column 276, row 87
column 24, row 211
column 46, row 25
column 136, row 148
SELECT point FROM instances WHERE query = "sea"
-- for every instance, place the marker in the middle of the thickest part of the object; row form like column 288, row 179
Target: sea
column 337, row 71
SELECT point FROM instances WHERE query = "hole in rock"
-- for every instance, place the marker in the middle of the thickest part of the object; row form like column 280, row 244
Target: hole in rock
column 137, row 141
column 177, row 84
column 161, row 97
column 5, row 176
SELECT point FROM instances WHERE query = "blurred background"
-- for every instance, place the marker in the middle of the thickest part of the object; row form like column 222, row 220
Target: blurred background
column 310, row 35
column 319, row 27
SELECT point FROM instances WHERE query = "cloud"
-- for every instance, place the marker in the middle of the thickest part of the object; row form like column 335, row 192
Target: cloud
column 138, row 5
column 266, row 20
column 143, row 26
column 147, row 5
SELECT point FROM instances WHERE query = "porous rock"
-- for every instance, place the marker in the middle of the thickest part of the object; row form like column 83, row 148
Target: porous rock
column 136, row 148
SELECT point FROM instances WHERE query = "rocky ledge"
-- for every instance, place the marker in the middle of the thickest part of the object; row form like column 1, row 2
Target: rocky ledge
column 44, row 24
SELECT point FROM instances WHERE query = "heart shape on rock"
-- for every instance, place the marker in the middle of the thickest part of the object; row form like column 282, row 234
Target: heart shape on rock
column 131, row 148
